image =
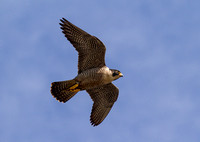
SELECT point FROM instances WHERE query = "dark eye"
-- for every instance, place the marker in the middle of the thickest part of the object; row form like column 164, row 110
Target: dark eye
column 115, row 73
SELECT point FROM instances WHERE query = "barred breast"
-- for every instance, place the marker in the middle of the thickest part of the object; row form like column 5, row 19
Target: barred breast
column 94, row 77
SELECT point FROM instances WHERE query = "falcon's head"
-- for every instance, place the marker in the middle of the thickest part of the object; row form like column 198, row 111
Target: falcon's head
column 116, row 74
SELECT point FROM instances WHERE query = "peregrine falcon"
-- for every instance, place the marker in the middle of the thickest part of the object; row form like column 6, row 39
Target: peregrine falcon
column 93, row 74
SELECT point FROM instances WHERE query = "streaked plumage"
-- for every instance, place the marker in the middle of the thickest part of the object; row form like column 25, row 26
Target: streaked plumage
column 93, row 75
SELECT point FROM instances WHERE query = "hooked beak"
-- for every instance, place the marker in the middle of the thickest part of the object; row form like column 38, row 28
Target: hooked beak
column 120, row 74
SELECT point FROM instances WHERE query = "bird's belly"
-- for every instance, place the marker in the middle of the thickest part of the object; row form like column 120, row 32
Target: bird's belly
column 90, row 83
column 93, row 78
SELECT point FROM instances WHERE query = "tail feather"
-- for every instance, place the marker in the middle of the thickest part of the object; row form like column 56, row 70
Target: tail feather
column 60, row 90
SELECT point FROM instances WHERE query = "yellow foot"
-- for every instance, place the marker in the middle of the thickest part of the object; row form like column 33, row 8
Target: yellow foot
column 74, row 88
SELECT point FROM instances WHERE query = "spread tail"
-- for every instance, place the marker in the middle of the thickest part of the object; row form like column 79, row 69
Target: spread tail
column 64, row 90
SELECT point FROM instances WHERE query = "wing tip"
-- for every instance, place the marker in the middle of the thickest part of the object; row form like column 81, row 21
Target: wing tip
column 61, row 24
column 94, row 120
column 65, row 24
column 93, row 123
column 63, row 19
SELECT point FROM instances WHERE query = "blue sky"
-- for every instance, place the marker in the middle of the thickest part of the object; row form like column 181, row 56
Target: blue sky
column 155, row 44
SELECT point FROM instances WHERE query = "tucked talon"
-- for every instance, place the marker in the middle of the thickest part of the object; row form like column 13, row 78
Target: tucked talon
column 74, row 86
column 75, row 90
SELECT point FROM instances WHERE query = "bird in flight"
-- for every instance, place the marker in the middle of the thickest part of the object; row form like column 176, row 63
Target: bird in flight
column 93, row 74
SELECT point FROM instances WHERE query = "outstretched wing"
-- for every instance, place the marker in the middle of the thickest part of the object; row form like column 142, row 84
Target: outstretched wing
column 91, row 50
column 104, row 98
